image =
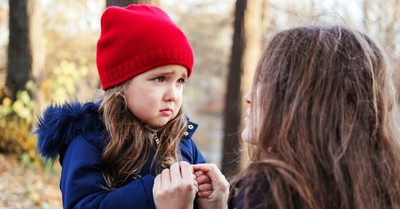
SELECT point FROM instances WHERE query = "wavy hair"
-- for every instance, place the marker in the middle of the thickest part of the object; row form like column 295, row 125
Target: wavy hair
column 131, row 142
column 324, row 121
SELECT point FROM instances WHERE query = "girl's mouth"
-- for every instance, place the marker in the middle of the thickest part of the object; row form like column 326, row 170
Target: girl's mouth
column 166, row 111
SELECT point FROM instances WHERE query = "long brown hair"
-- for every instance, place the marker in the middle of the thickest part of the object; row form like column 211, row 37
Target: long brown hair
column 324, row 122
column 131, row 142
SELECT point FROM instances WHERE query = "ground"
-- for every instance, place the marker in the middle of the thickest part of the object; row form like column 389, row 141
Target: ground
column 25, row 186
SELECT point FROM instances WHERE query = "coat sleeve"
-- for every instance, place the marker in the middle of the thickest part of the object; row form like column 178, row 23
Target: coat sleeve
column 82, row 184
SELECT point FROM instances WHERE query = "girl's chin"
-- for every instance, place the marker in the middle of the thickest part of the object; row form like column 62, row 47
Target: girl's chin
column 155, row 124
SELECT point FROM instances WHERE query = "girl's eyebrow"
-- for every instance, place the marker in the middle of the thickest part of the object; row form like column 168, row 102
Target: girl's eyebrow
column 168, row 72
column 184, row 75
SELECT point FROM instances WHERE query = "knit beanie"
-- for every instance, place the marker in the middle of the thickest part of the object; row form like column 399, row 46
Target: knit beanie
column 138, row 38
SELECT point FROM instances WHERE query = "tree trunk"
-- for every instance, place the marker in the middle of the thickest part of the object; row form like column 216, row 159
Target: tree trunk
column 251, row 55
column 381, row 18
column 244, row 59
column 124, row 3
column 392, row 31
column 19, row 66
column 365, row 11
column 151, row 2
column 233, row 100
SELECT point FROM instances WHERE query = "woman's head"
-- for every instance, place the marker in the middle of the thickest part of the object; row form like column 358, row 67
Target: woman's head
column 319, row 81
column 323, row 120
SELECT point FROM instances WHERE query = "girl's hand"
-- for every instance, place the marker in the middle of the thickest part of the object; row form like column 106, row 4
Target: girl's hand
column 175, row 187
column 215, row 197
column 204, row 184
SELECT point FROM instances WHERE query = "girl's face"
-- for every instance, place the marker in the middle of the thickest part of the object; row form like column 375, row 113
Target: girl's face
column 155, row 96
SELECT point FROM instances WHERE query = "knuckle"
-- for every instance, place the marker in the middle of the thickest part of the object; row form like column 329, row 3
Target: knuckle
column 184, row 164
column 165, row 170
column 174, row 164
column 188, row 185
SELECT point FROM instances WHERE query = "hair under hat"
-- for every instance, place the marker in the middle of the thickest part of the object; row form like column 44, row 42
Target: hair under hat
column 138, row 38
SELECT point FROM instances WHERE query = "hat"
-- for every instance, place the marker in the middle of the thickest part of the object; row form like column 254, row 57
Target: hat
column 138, row 38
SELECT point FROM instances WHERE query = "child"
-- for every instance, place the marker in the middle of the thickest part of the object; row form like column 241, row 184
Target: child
column 110, row 151
column 322, row 124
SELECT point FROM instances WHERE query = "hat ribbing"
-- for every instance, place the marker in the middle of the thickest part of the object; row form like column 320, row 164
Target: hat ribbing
column 138, row 38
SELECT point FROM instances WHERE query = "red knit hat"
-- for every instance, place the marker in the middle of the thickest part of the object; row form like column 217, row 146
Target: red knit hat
column 138, row 38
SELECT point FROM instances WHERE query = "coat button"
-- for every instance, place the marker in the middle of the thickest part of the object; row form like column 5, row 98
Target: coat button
column 190, row 127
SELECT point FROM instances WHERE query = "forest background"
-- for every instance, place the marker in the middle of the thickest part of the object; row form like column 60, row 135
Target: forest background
column 47, row 56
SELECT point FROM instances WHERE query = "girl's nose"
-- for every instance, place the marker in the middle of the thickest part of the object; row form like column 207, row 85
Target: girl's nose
column 171, row 94
column 247, row 97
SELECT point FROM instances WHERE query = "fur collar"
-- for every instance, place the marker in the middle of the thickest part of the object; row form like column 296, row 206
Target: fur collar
column 60, row 124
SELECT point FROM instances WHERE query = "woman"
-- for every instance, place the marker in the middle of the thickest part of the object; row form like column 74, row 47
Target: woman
column 321, row 125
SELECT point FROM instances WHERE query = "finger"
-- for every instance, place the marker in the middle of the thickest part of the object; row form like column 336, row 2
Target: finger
column 196, row 185
column 186, row 170
column 175, row 172
column 204, row 167
column 199, row 173
column 204, row 194
column 165, row 178
column 203, row 179
column 205, row 187
column 211, row 170
column 218, row 180
column 157, row 183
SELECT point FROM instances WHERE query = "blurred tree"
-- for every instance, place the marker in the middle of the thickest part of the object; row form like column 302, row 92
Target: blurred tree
column 151, row 2
column 20, row 61
column 232, row 112
column 69, row 45
column 366, row 20
column 209, row 28
column 23, row 62
column 124, row 3
column 244, row 58
column 382, row 19
column 254, row 20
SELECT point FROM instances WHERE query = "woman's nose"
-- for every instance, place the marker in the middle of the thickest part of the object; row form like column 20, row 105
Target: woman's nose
column 247, row 97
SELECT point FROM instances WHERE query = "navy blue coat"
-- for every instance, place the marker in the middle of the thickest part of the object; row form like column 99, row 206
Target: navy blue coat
column 76, row 133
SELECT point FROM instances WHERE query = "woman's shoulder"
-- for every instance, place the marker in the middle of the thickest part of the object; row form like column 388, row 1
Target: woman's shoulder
column 251, row 190
column 60, row 124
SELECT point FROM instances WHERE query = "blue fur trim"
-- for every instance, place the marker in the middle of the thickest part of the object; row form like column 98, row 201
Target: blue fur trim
column 60, row 124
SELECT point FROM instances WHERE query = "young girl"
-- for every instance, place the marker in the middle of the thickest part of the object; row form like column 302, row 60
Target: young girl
column 111, row 150
column 322, row 124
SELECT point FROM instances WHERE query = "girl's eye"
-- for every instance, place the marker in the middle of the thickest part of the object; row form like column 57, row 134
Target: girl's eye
column 159, row 79
column 182, row 81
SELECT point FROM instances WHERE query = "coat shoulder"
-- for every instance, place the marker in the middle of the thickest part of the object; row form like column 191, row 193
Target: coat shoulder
column 60, row 124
